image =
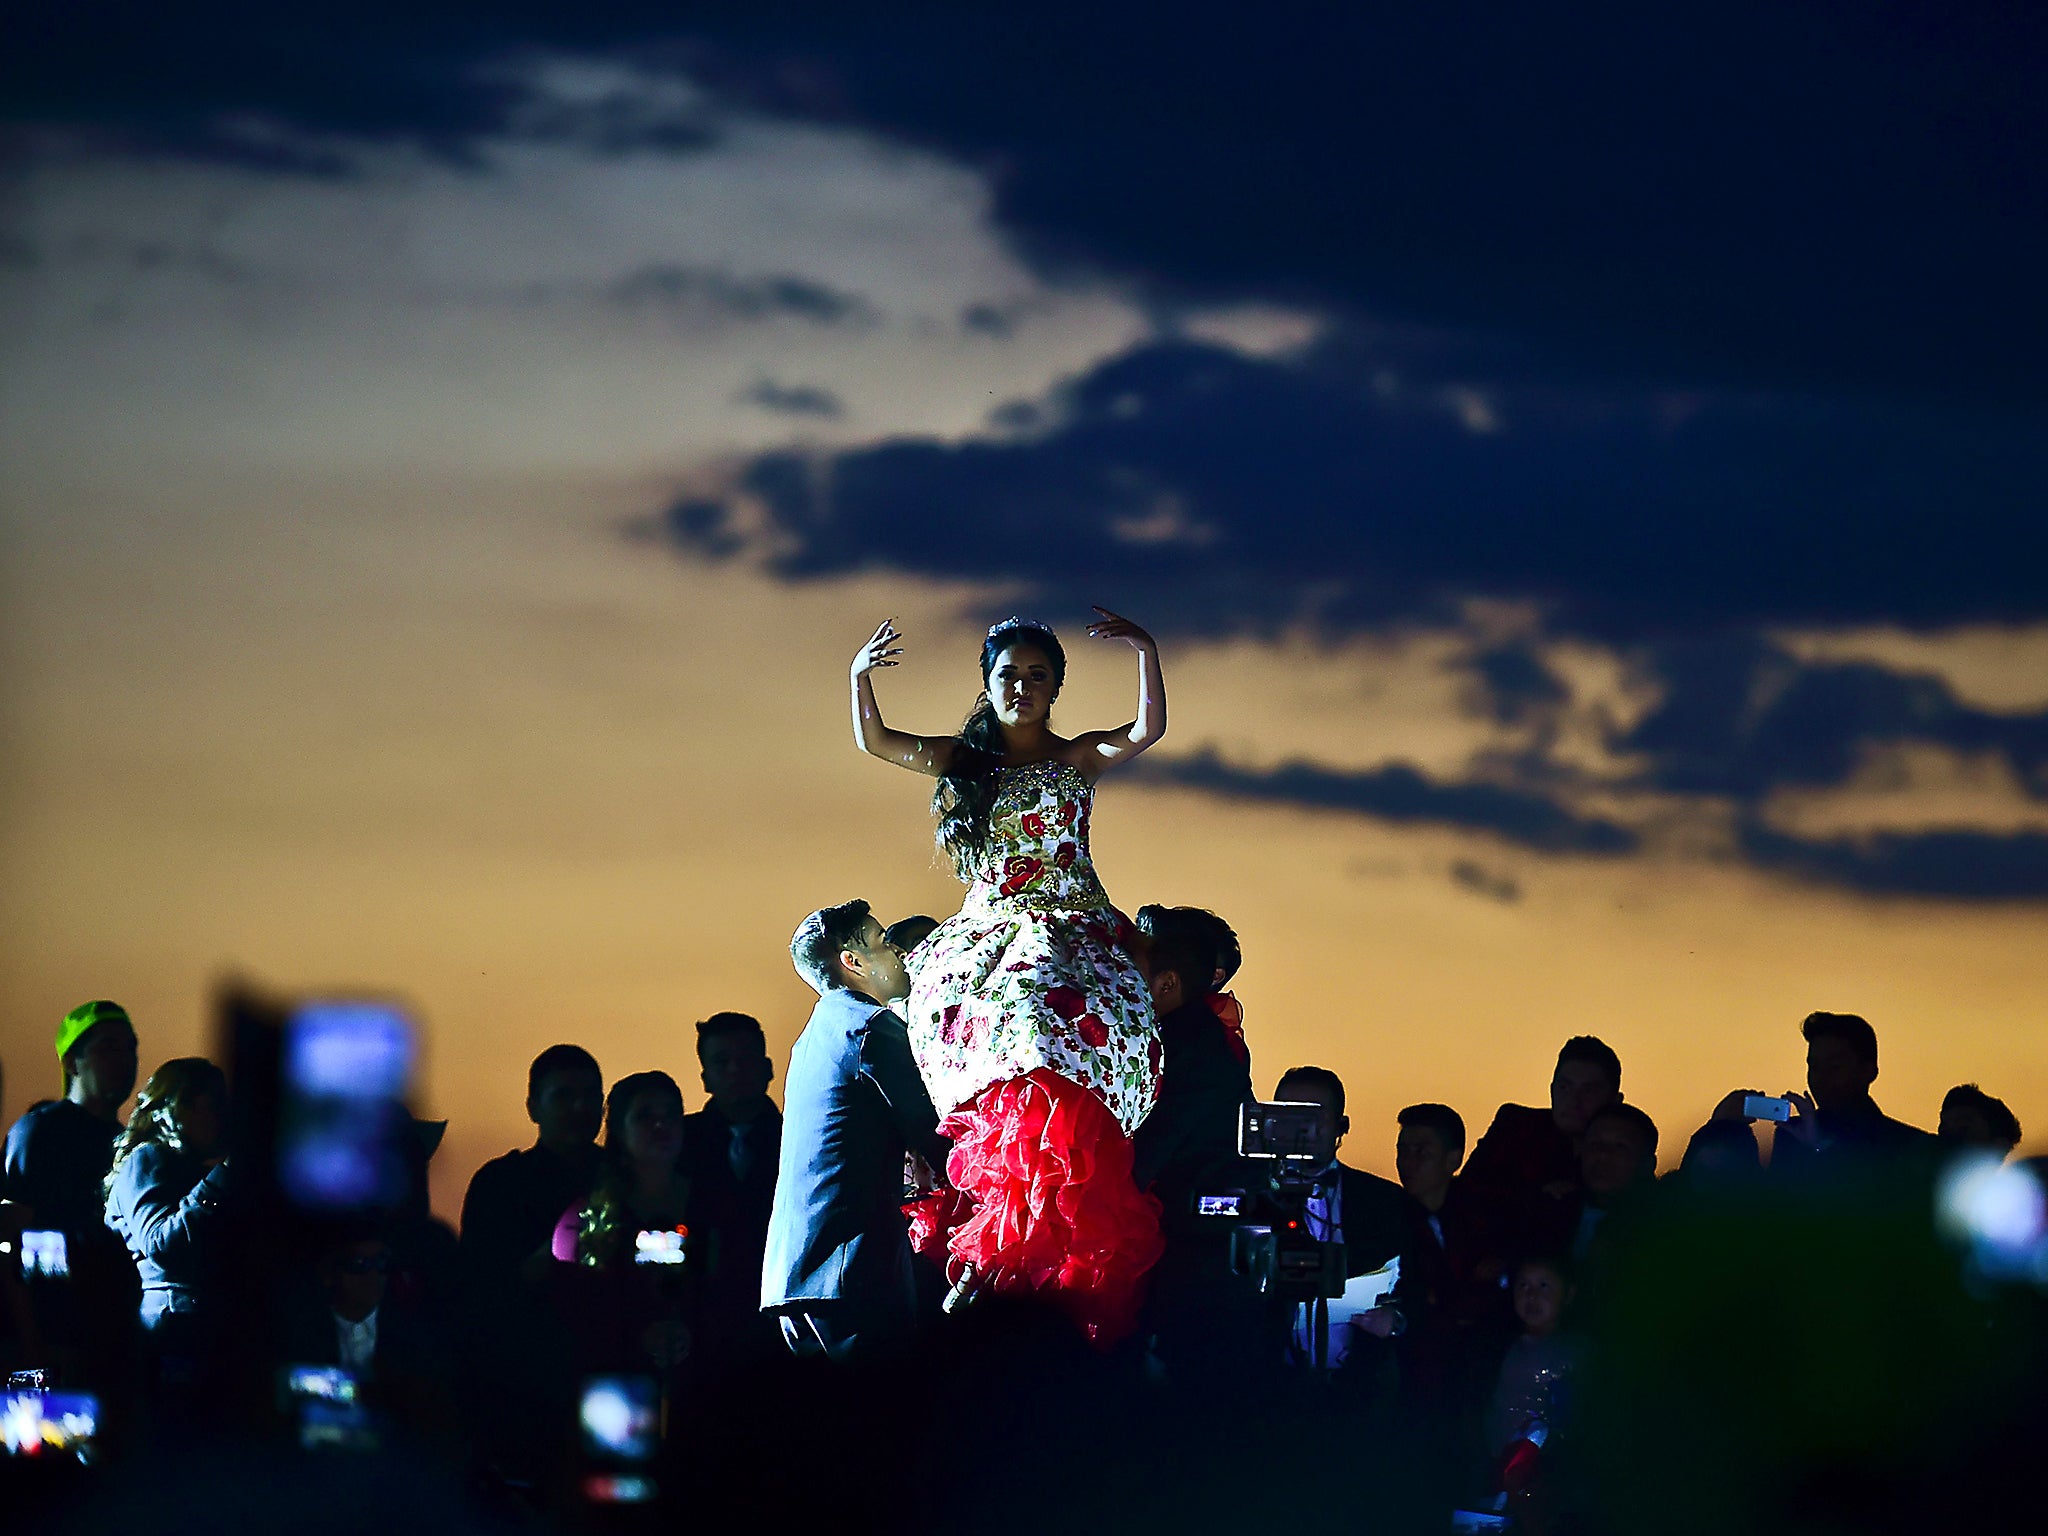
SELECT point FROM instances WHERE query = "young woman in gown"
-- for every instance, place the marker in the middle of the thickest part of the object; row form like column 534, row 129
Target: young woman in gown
column 1030, row 1020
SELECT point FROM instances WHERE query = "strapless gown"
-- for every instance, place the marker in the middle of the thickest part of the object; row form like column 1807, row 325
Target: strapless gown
column 1034, row 1031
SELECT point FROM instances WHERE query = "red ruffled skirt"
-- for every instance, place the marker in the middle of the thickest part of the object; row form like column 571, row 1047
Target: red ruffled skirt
column 1044, row 1203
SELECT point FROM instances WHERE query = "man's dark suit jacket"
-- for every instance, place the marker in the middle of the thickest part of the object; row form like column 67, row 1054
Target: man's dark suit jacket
column 1188, row 1144
column 1504, row 1178
column 852, row 1104
column 1375, row 1215
column 1863, row 1142
column 736, row 1213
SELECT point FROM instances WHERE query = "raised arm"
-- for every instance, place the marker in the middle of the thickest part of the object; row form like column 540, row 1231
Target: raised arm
column 1103, row 750
column 925, row 754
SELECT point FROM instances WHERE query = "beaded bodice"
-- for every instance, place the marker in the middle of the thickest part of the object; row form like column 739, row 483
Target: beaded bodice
column 1037, row 851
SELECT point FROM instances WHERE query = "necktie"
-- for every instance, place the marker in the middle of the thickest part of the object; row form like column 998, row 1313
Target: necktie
column 739, row 1153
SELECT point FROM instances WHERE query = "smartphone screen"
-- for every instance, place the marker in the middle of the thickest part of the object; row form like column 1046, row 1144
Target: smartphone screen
column 347, row 1066
column 44, row 1255
column 660, row 1246
column 58, row 1425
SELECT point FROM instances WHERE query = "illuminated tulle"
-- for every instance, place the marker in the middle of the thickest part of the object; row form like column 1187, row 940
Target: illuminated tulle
column 1046, row 1206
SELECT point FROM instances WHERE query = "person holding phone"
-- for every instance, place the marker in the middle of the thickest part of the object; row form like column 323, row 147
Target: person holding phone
column 627, row 1313
column 1836, row 1124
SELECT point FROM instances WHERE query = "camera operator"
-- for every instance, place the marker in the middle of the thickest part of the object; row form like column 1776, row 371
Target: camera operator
column 1367, row 1215
column 1206, row 1320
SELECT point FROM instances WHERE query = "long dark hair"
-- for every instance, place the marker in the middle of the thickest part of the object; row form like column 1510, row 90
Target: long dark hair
column 601, row 1224
column 967, row 789
column 157, row 1105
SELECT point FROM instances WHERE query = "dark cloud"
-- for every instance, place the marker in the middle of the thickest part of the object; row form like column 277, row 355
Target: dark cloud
column 1397, row 792
column 1741, row 718
column 1948, row 862
column 1768, row 193
column 794, row 399
column 762, row 297
column 1217, row 491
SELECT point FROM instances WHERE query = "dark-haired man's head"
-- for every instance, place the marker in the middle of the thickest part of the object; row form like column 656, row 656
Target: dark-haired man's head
column 354, row 1272
column 1181, row 952
column 1587, row 1080
column 732, row 1049
column 844, row 947
column 1721, row 1152
column 96, row 1051
column 565, row 1099
column 1323, row 1088
column 1617, row 1152
column 1428, row 1151
column 906, row 933
column 1841, row 1060
column 1970, row 1117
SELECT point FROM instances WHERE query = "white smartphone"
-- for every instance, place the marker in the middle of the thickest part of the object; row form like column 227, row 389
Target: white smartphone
column 1759, row 1106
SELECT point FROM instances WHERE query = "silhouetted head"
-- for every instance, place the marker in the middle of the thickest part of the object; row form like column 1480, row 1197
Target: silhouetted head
column 565, row 1098
column 1970, row 1117
column 1618, row 1151
column 1179, row 954
column 732, row 1050
column 1721, row 1152
column 906, row 933
column 355, row 1273
column 1542, row 1290
column 1841, row 1059
column 1587, row 1080
column 1324, row 1088
column 97, row 1052
column 1429, row 1150
column 643, row 1119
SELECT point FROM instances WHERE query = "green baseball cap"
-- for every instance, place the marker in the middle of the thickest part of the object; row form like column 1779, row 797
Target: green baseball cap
column 87, row 1016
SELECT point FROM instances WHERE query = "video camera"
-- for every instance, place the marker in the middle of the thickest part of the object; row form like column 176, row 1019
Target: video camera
column 1271, row 1243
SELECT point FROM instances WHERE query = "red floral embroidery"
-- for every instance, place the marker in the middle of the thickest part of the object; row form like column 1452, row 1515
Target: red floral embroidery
column 1066, row 1002
column 1065, row 856
column 1068, row 811
column 1093, row 1030
column 1034, row 823
column 1152, row 1055
column 1021, row 870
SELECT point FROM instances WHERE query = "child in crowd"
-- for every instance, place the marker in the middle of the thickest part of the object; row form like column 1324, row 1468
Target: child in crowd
column 1535, row 1375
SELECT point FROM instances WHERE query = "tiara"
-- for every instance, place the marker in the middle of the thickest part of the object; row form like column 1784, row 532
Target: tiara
column 1017, row 621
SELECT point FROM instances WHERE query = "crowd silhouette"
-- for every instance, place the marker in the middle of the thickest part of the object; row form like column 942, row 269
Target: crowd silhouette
column 1848, row 1334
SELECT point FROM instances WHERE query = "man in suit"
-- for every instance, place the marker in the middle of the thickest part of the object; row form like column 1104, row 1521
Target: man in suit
column 350, row 1318
column 837, row 1270
column 730, row 1148
column 1839, row 1133
column 1347, row 1205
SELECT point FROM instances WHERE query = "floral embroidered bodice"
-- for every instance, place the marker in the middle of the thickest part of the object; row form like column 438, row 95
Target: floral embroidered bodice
column 1037, row 850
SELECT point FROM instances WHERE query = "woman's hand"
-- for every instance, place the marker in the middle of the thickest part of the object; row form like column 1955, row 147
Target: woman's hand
column 1114, row 627
column 877, row 652
column 1730, row 1108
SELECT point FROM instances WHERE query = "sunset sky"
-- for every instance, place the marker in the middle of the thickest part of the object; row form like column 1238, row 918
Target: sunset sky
column 1587, row 478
